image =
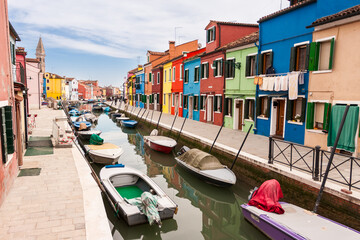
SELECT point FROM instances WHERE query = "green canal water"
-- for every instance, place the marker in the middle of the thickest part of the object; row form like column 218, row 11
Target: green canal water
column 205, row 211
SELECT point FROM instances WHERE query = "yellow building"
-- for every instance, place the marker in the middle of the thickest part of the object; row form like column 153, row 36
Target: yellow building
column 167, row 81
column 55, row 86
column 130, row 90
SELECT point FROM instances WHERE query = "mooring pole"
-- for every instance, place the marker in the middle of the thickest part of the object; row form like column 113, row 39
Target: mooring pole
column 142, row 115
column 138, row 113
column 147, row 116
column 158, row 120
column 173, row 122
column 152, row 116
column 216, row 137
column 247, row 134
column 182, row 126
column 331, row 159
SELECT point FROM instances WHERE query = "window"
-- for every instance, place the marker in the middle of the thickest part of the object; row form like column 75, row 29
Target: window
column 47, row 88
column 158, row 98
column 230, row 68
column 318, row 116
column 204, row 70
column 265, row 61
column 153, row 80
column 196, row 103
column 13, row 53
column 217, row 68
column 165, row 76
column 250, row 66
column 170, row 75
column 164, row 99
column 47, row 81
column 228, row 107
column 321, row 55
column 149, row 77
column 158, row 78
column 298, row 58
column 181, row 72
column 202, row 102
column 217, row 103
column 186, row 80
column 7, row 135
column 295, row 110
column 210, row 35
column 249, row 109
column 262, row 106
column 172, row 99
column 174, row 71
column 185, row 101
column 196, row 74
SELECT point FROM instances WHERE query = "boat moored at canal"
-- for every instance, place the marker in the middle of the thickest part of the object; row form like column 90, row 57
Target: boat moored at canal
column 129, row 123
column 159, row 143
column 85, row 135
column 106, row 153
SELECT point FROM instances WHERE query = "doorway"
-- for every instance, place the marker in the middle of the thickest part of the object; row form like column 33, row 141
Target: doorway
column 278, row 118
column 155, row 102
column 210, row 108
column 147, row 102
column 191, row 106
column 169, row 103
column 239, row 114
column 176, row 104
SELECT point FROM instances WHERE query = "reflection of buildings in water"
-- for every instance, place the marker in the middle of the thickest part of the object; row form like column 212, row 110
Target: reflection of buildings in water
column 85, row 107
column 160, row 158
column 153, row 169
column 139, row 146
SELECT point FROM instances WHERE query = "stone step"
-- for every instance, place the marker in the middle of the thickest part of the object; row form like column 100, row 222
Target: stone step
column 40, row 142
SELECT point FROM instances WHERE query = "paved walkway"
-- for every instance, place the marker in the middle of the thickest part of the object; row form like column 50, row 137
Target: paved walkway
column 63, row 202
column 256, row 150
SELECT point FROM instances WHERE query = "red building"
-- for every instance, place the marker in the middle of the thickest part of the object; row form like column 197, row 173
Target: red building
column 84, row 91
column 212, row 84
column 157, row 87
column 177, row 85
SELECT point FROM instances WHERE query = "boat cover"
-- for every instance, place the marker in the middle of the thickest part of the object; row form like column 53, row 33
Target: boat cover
column 82, row 126
column 201, row 160
column 147, row 204
column 102, row 147
column 267, row 196
column 96, row 140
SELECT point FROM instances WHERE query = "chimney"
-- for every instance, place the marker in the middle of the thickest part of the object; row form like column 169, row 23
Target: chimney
column 172, row 49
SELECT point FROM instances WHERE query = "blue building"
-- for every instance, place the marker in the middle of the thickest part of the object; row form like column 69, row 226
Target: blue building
column 191, row 90
column 140, row 88
column 283, row 64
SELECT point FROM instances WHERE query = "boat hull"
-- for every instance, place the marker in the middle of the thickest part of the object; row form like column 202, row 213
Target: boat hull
column 85, row 135
column 102, row 157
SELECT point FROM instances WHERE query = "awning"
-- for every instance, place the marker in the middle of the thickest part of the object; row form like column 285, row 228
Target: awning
column 347, row 137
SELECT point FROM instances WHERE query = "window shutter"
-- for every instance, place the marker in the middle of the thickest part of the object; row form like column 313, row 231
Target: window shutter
column 314, row 56
column 289, row 110
column 307, row 56
column 201, row 102
column 214, row 68
column 201, row 71
column 215, row 103
column 221, row 67
column 3, row 135
column 310, row 116
column 220, row 97
column 227, row 64
column 233, row 68
column 327, row 111
column 226, row 111
column 214, row 33
column 258, row 106
column 247, row 67
column 260, row 63
column 303, row 110
column 149, row 77
column 253, row 109
column 9, row 130
column 207, row 36
column 271, row 56
column 292, row 59
column 207, row 70
column 246, row 109
column 331, row 53
column 267, row 114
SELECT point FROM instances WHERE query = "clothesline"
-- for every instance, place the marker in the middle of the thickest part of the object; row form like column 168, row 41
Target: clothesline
column 280, row 74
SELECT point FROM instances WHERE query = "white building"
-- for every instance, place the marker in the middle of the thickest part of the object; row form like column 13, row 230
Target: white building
column 73, row 89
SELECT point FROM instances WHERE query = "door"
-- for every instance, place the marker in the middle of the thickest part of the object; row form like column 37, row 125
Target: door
column 191, row 106
column 169, row 101
column 155, row 102
column 280, row 114
column 239, row 107
column 210, row 109
column 176, row 104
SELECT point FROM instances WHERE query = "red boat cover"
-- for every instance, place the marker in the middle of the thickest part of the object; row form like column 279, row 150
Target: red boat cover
column 267, row 196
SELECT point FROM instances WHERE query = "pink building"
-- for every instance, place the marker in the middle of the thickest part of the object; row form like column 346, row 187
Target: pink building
column 34, row 82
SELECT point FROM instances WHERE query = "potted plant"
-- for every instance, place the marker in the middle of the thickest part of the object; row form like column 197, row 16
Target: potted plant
column 297, row 117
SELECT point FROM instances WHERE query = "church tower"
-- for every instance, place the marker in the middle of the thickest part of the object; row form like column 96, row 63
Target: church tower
column 40, row 54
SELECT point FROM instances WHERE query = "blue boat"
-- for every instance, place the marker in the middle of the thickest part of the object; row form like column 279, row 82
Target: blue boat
column 74, row 112
column 129, row 123
column 106, row 109
column 77, row 125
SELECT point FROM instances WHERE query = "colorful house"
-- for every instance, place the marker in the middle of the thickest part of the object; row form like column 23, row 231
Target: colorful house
column 284, row 49
column 167, row 77
column 240, row 69
column 157, row 87
column 140, row 87
column 35, row 78
column 147, row 84
column 54, row 85
column 331, row 81
column 211, row 70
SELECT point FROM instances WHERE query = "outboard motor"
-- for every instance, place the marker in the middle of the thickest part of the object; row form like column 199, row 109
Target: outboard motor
column 183, row 150
column 154, row 132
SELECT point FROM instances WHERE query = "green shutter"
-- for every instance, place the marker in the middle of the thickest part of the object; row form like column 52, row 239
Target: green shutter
column 310, row 116
column 313, row 66
column 9, row 130
column 214, row 33
column 292, row 59
column 214, row 67
column 207, row 71
column 248, row 67
column 307, row 56
column 246, row 109
column 221, row 67
column 260, row 63
column 207, row 36
column 258, row 106
column 289, row 110
column 233, row 68
column 327, row 112
column 303, row 110
column 150, row 77
column 267, row 114
column 331, row 53
column 3, row 135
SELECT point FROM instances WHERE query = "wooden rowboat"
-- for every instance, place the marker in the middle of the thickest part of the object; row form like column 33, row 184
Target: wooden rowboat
column 107, row 153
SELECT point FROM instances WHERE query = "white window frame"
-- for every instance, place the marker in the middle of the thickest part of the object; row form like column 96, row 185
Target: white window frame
column 158, row 78
column 320, row 41
column 217, row 67
column 174, row 73
column 172, row 99
column 206, row 69
column 215, row 99
column 180, row 100
column 186, row 69
column 211, row 34
column 152, row 80
column 181, row 72
column 251, row 55
column 197, row 67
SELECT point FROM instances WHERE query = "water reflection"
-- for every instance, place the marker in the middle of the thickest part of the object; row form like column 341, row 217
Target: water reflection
column 205, row 211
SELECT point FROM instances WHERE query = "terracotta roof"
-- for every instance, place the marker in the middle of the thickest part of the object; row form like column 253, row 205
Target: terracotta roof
column 32, row 60
column 233, row 23
column 285, row 10
column 353, row 11
column 133, row 70
column 251, row 38
column 157, row 53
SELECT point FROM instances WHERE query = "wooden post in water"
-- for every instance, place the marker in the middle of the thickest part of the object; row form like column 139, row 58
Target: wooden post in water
column 247, row 134
column 138, row 113
column 142, row 115
column 158, row 120
column 147, row 116
column 217, row 136
column 152, row 116
column 331, row 159
column 182, row 126
column 173, row 122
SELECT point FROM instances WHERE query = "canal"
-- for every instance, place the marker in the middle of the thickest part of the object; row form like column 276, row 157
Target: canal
column 205, row 211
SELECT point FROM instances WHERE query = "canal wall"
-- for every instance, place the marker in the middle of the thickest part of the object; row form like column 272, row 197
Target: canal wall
column 298, row 187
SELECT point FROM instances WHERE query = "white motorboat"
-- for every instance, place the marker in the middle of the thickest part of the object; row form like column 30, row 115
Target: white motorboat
column 205, row 166
column 124, row 184
column 85, row 135
column 159, row 143
column 90, row 117
column 106, row 153
column 122, row 117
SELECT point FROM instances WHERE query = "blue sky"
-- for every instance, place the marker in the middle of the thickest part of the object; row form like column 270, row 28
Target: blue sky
column 102, row 40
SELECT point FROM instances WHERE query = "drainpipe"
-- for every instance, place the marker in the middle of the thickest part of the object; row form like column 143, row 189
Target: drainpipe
column 257, row 70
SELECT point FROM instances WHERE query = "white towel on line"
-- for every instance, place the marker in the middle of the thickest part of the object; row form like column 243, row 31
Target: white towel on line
column 293, row 86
